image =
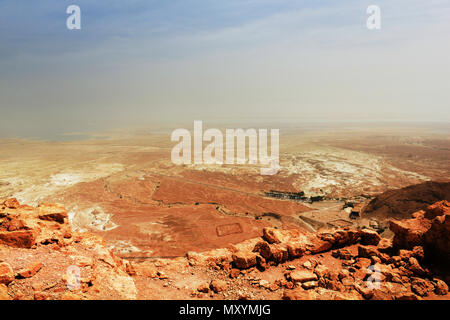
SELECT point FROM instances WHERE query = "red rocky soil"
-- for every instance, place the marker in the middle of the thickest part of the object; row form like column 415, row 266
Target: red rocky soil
column 38, row 251
column 163, row 216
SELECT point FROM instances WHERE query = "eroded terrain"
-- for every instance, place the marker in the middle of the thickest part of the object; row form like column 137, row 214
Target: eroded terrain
column 126, row 189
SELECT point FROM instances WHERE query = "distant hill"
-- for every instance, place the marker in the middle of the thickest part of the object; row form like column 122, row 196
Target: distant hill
column 401, row 203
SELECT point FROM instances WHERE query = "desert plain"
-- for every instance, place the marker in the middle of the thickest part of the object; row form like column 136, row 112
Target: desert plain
column 156, row 216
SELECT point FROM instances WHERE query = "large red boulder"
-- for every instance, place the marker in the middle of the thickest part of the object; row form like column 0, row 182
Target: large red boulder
column 369, row 237
column 437, row 238
column 409, row 232
column 52, row 212
column 244, row 259
column 429, row 229
column 437, row 209
column 11, row 203
column 6, row 273
column 18, row 239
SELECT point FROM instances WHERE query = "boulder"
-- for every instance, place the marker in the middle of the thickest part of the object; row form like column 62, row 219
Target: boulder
column 385, row 245
column 405, row 254
column 129, row 267
column 378, row 294
column 272, row 235
column 321, row 271
column 367, row 251
column 261, row 263
column 361, row 274
column 431, row 234
column 363, row 263
column 11, row 203
column 386, row 272
column 369, row 237
column 440, row 287
column 421, row 287
column 69, row 296
column 218, row 286
column 29, row 270
column 234, row 273
column 409, row 232
column 272, row 252
column 244, row 259
column 52, row 212
column 343, row 254
column 279, row 253
column 264, row 284
column 146, row 270
column 365, row 291
column 331, row 284
column 302, row 276
column 418, row 253
column 348, row 281
column 297, row 294
column 437, row 209
column 415, row 267
column 18, row 239
column 6, row 273
column 274, row 287
column 263, row 248
column 318, row 245
column 296, row 248
column 42, row 296
column 437, row 239
column 4, row 292
column 408, row 297
column 222, row 255
column 309, row 285
column 204, row 287
column 345, row 237
column 14, row 224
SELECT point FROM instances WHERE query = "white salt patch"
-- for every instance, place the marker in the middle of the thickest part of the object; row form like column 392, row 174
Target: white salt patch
column 65, row 179
column 92, row 218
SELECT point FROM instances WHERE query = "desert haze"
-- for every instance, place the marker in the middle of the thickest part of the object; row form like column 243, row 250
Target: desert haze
column 347, row 197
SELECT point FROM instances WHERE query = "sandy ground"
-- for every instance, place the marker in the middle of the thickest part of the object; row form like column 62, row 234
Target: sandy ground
column 126, row 188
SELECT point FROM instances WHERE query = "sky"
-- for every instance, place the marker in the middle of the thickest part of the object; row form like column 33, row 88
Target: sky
column 141, row 62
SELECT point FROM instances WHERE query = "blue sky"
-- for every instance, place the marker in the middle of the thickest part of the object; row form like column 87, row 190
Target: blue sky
column 136, row 62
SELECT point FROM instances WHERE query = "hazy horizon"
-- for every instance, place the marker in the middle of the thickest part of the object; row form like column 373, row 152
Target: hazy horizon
column 141, row 62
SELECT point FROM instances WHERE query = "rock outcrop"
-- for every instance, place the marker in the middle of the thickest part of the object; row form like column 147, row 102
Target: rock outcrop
column 56, row 263
column 429, row 228
column 41, row 258
column 347, row 263
column 401, row 203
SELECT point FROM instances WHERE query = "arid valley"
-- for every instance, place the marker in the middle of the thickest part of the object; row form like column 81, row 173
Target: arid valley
column 178, row 230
